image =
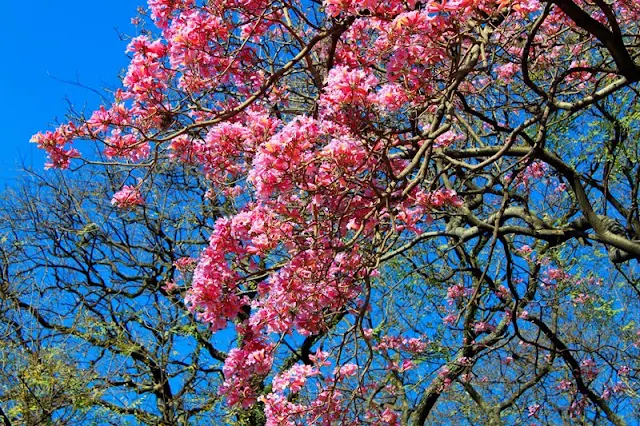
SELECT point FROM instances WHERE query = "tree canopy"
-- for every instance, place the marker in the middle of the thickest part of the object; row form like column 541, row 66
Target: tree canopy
column 92, row 330
column 427, row 211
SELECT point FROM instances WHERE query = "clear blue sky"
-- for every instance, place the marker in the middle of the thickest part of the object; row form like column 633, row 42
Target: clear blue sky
column 46, row 41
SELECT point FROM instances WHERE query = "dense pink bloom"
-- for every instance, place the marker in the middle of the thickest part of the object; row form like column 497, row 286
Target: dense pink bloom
column 294, row 378
column 347, row 86
column 446, row 139
column 161, row 10
column 128, row 197
column 439, row 198
column 506, row 71
column 126, row 146
column 242, row 365
column 55, row 144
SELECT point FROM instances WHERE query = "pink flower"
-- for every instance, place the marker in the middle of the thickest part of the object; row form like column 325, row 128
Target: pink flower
column 347, row 86
column 127, row 198
column 347, row 370
column 533, row 410
column 126, row 146
column 446, row 139
column 415, row 345
column 506, row 71
column 391, row 97
column 449, row 319
column 534, row 171
column 588, row 369
column 295, row 378
column 564, row 385
column 525, row 249
column 55, row 144
column 389, row 417
column 407, row 364
column 482, row 326
column 439, row 198
column 169, row 286
column 456, row 292
column 556, row 274
column 562, row 187
column 185, row 264
column 577, row 407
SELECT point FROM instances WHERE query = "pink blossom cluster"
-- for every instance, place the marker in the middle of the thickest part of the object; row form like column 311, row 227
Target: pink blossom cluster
column 294, row 378
column 297, row 295
column 399, row 343
column 161, row 10
column 577, row 407
column 414, row 212
column 443, row 374
column 103, row 119
column 185, row 264
column 147, row 78
column 196, row 39
column 326, row 408
column 457, row 292
column 242, row 366
column 483, row 327
column 556, row 275
column 126, row 146
column 55, row 144
column 447, row 139
column 532, row 173
column 336, row 7
column 347, row 86
column 533, row 410
column 127, row 198
column 439, row 198
column 213, row 294
column 588, row 369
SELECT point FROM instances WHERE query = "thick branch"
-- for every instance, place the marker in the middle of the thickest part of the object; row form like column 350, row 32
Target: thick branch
column 613, row 42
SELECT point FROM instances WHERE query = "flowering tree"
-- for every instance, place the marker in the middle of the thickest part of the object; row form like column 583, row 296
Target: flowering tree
column 416, row 187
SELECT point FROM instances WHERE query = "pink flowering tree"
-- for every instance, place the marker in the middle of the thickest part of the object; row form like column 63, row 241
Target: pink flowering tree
column 433, row 205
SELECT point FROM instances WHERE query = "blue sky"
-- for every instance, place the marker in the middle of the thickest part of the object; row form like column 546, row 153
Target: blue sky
column 44, row 42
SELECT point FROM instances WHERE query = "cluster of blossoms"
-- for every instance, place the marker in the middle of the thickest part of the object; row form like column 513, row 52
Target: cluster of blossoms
column 398, row 343
column 327, row 407
column 242, row 367
column 185, row 264
column 128, row 197
column 55, row 144
column 554, row 276
column 534, row 172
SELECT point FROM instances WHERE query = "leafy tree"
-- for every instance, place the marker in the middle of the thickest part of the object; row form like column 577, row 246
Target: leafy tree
column 431, row 207
column 93, row 328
